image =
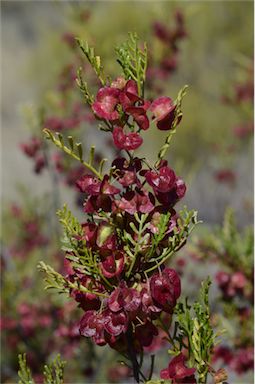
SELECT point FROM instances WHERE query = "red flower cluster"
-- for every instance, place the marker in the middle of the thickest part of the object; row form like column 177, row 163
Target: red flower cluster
column 33, row 149
column 30, row 233
column 178, row 372
column 240, row 360
column 33, row 323
column 232, row 285
column 170, row 39
column 127, row 305
column 245, row 92
column 123, row 296
column 225, row 176
column 244, row 130
column 72, row 119
column 168, row 36
column 243, row 95
column 118, row 373
column 243, row 360
column 121, row 102
column 167, row 189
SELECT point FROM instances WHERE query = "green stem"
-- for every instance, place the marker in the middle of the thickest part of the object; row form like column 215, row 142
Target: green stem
column 83, row 289
column 161, row 262
column 109, row 285
column 70, row 152
column 165, row 147
column 87, row 165
column 132, row 355
column 151, row 367
column 168, row 334
column 132, row 264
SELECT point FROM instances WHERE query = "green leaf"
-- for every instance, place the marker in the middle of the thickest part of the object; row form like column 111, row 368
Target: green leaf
column 54, row 372
column 95, row 61
column 74, row 242
column 156, row 382
column 194, row 323
column 80, row 150
column 24, row 371
column 53, row 279
column 71, row 143
column 133, row 61
column 133, row 247
column 84, row 88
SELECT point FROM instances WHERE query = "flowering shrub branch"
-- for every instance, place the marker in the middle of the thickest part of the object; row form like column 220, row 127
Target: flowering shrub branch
column 117, row 257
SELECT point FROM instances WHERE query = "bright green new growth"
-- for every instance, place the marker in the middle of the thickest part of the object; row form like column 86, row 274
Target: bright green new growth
column 141, row 239
column 55, row 280
column 133, row 61
column 24, row 371
column 53, row 373
column 87, row 261
column 194, row 323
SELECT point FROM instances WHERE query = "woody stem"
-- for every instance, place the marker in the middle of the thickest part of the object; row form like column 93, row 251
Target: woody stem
column 132, row 354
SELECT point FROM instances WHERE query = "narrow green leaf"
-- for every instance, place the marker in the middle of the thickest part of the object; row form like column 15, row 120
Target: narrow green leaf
column 80, row 150
column 70, row 141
